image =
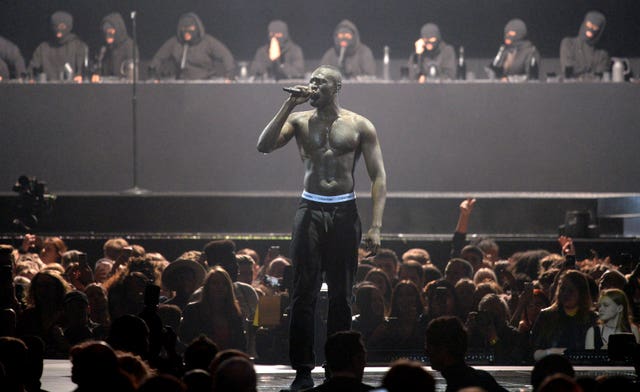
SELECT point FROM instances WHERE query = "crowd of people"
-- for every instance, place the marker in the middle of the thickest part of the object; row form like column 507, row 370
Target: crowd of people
column 192, row 54
column 193, row 321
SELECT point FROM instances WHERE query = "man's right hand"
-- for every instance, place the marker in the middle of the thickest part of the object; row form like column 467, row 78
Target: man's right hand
column 296, row 99
column 372, row 240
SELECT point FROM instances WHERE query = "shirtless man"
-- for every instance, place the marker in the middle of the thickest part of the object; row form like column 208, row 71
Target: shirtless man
column 327, row 230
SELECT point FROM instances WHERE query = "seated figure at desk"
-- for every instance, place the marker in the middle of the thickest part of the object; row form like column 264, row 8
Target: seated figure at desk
column 192, row 54
column 433, row 58
column 115, row 58
column 579, row 57
column 352, row 57
column 64, row 56
column 281, row 58
column 517, row 59
column 11, row 61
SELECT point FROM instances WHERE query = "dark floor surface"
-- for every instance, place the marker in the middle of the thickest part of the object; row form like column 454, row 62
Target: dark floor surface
column 273, row 378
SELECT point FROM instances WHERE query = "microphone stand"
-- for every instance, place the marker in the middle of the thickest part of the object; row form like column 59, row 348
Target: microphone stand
column 135, row 190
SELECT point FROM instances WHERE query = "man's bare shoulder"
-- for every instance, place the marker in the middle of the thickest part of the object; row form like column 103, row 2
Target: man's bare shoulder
column 297, row 117
column 360, row 122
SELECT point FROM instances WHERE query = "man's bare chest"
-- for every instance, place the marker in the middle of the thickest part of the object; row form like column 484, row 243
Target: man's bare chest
column 339, row 137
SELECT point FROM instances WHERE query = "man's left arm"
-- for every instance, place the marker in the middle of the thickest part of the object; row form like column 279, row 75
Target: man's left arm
column 375, row 167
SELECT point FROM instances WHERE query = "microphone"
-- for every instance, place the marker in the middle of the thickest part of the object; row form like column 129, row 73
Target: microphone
column 433, row 70
column 68, row 71
column 183, row 62
column 103, row 51
column 297, row 92
column 343, row 49
column 498, row 57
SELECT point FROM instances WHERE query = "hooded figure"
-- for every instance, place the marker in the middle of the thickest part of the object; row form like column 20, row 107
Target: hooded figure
column 517, row 53
column 192, row 54
column 11, row 61
column 578, row 55
column 50, row 57
column 118, row 47
column 281, row 58
column 432, row 51
column 351, row 56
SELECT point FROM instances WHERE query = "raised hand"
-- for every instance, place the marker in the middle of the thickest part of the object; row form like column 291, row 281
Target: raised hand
column 566, row 244
column 467, row 206
column 419, row 44
column 274, row 49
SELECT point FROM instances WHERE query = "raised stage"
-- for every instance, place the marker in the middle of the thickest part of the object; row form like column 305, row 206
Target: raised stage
column 57, row 376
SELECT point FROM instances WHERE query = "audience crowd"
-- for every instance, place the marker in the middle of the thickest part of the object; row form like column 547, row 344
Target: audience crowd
column 135, row 321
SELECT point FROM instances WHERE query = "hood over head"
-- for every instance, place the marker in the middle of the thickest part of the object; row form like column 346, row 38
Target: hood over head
column 278, row 26
column 184, row 23
column 519, row 28
column 596, row 19
column 346, row 26
column 62, row 22
column 430, row 31
column 115, row 21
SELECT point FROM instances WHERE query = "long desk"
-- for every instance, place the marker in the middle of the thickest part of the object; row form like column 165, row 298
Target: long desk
column 458, row 137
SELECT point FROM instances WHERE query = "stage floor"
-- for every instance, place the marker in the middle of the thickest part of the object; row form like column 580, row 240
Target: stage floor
column 273, row 378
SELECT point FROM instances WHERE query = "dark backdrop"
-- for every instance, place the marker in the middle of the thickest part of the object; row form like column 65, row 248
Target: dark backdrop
column 448, row 137
column 241, row 24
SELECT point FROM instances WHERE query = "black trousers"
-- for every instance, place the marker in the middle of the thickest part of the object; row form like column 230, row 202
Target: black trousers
column 325, row 240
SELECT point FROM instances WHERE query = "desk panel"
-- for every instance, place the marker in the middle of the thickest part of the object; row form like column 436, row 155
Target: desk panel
column 201, row 137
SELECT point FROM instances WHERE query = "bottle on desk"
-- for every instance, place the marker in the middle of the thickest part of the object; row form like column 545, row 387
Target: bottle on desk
column 617, row 70
column 534, row 70
column 385, row 64
column 432, row 73
column 461, row 69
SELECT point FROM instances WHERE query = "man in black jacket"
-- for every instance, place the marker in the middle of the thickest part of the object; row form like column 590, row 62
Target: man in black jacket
column 579, row 57
column 517, row 56
column 432, row 57
column 63, row 57
column 192, row 54
column 346, row 360
column 281, row 58
column 352, row 57
column 117, row 53
column 11, row 61
column 446, row 346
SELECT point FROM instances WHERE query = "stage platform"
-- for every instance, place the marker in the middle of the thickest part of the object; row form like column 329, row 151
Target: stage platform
column 57, row 376
column 171, row 223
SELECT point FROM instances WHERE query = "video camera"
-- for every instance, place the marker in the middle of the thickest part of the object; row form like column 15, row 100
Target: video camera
column 33, row 202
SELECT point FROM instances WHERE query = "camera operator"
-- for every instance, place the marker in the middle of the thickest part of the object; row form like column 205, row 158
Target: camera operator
column 33, row 202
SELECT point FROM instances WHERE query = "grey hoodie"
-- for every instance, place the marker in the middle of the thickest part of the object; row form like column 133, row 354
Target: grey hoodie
column 358, row 58
column 111, row 57
column 205, row 56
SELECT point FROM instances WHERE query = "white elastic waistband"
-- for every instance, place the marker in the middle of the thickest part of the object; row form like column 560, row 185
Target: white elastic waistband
column 328, row 199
